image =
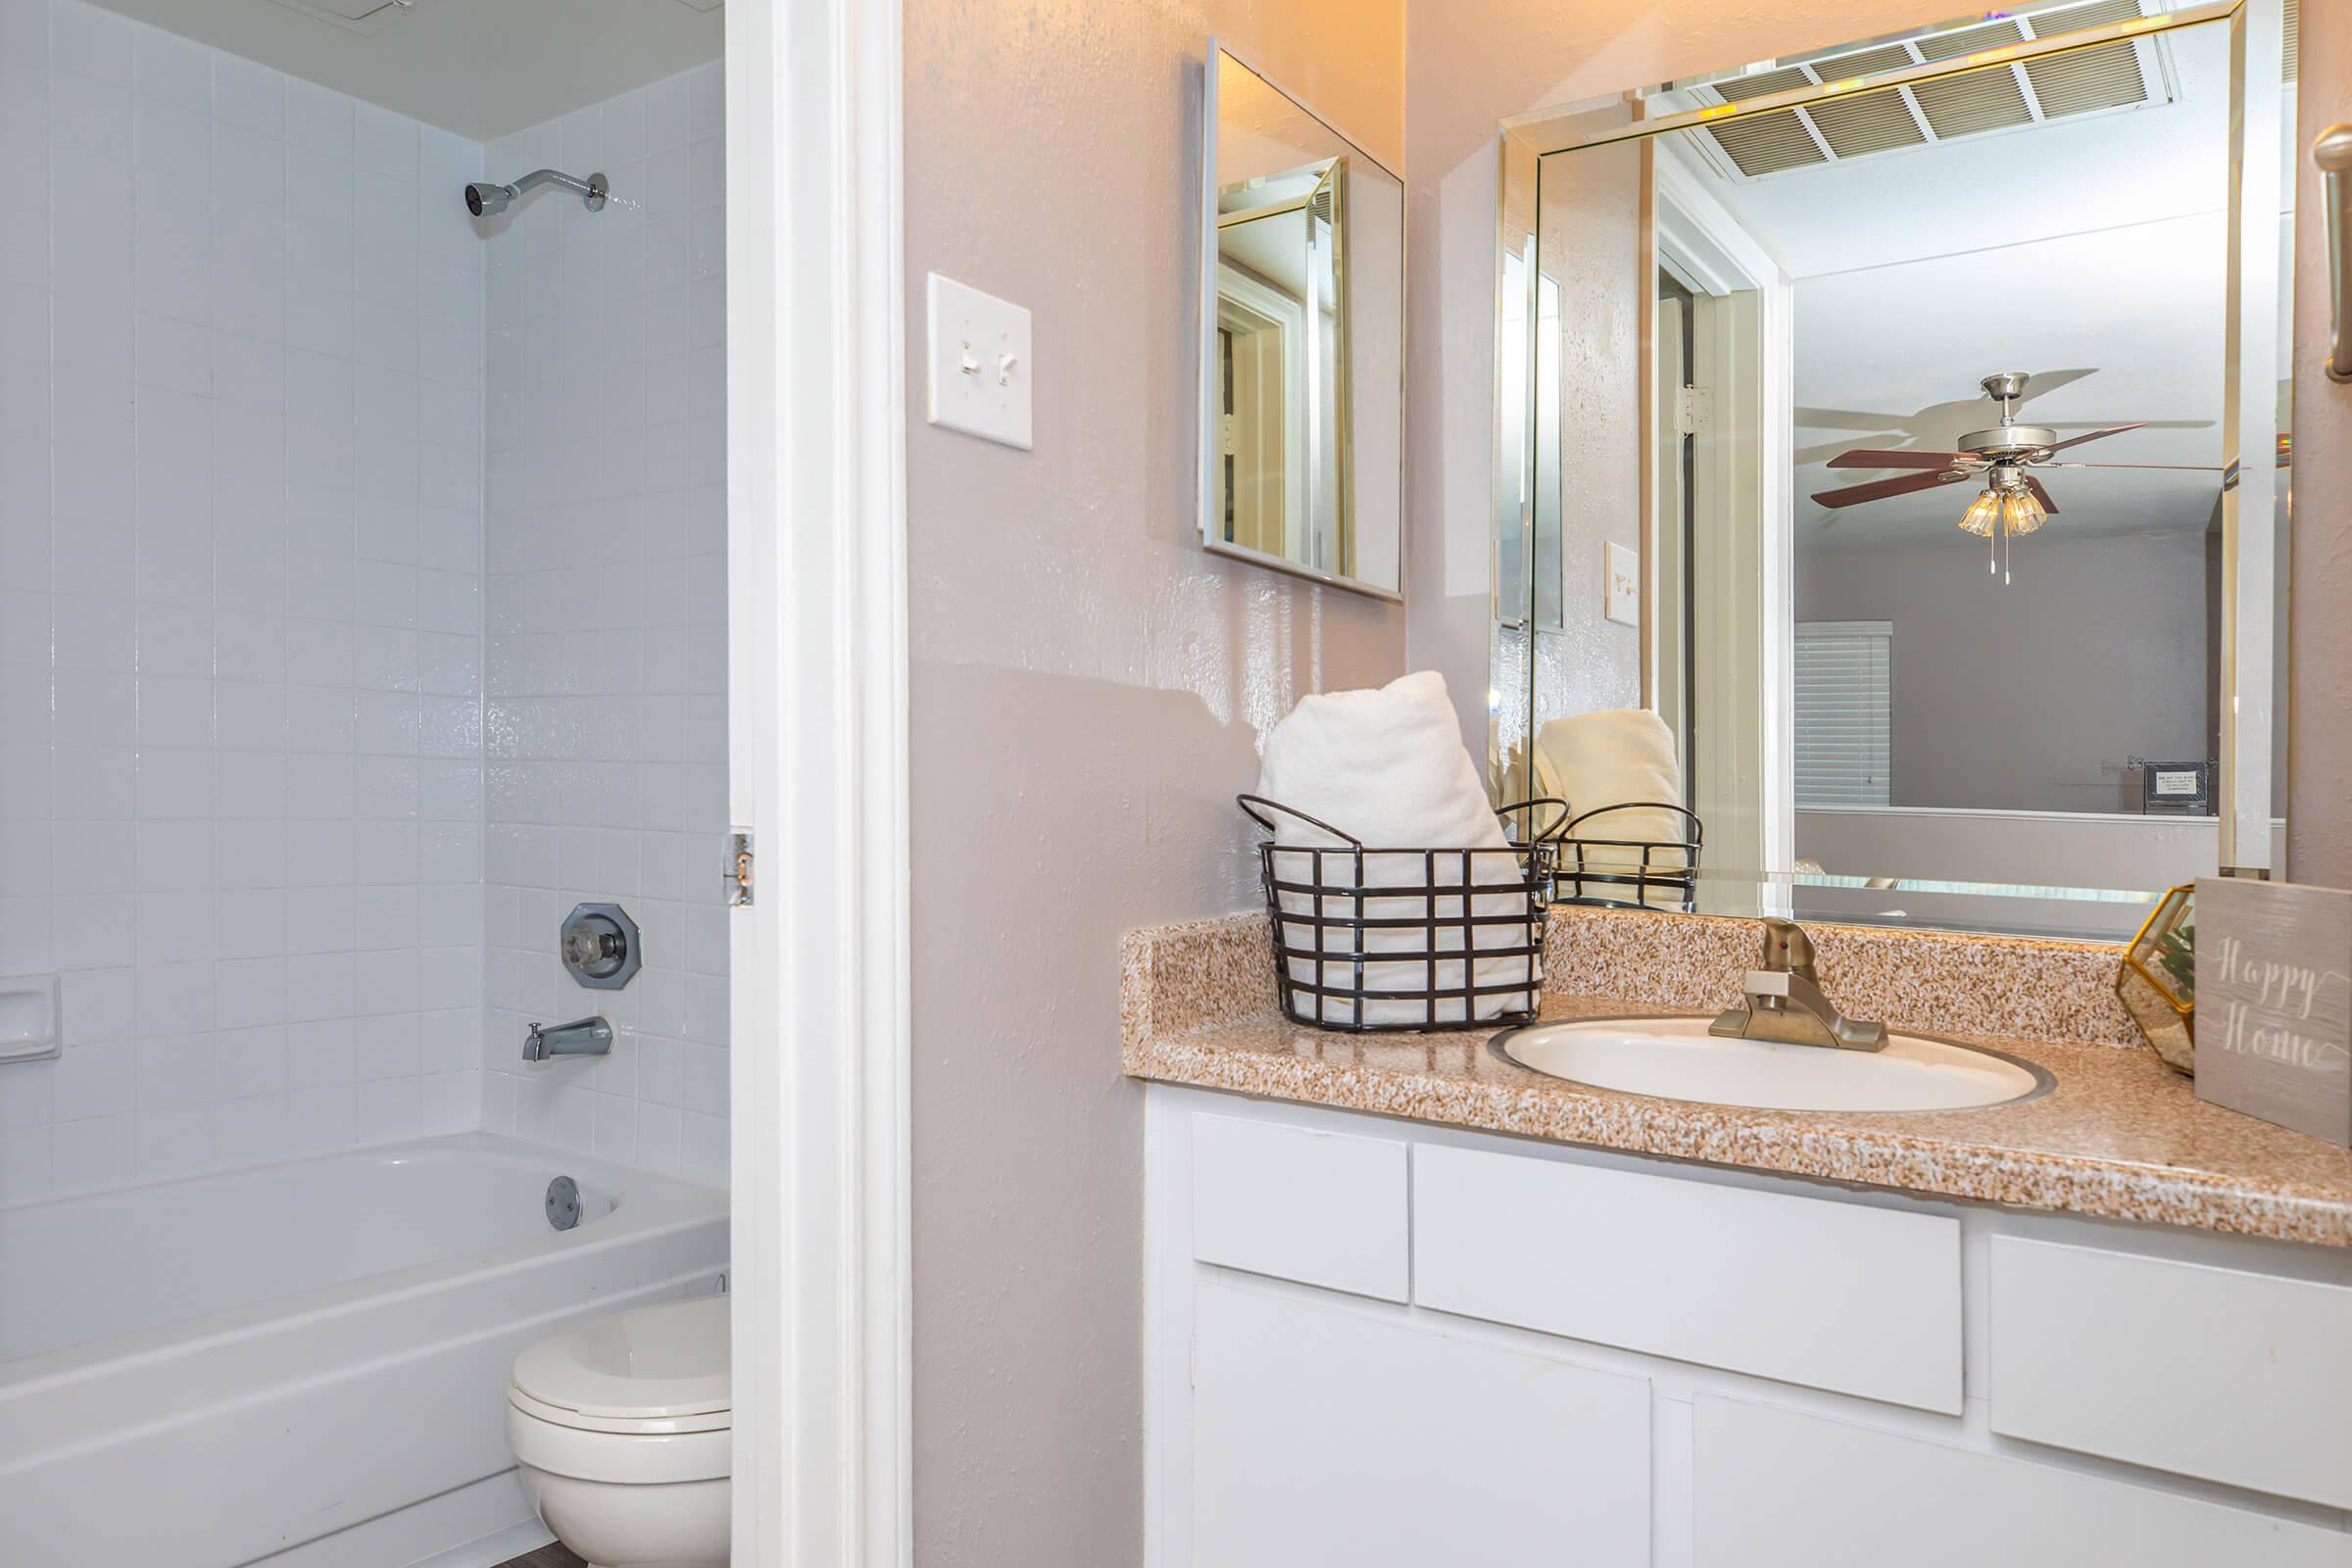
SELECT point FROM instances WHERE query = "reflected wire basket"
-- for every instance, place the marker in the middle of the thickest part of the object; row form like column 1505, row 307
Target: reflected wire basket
column 1629, row 873
column 1376, row 939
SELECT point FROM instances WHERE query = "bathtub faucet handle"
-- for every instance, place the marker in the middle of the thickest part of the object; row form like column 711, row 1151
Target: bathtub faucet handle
column 582, row 1037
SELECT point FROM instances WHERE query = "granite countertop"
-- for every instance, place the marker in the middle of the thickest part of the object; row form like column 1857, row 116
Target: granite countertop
column 2121, row 1135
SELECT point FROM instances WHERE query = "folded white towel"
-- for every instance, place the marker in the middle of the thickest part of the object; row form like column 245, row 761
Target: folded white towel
column 1619, row 757
column 1389, row 767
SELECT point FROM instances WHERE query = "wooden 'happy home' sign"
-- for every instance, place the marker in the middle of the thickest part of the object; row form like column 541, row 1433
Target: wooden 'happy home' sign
column 2274, row 1002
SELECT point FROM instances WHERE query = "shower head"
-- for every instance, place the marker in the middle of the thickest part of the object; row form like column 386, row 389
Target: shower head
column 484, row 200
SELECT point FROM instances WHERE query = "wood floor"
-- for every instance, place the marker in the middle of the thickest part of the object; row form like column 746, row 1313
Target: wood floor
column 549, row 1556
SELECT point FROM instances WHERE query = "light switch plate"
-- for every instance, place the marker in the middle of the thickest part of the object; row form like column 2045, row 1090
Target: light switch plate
column 1622, row 595
column 979, row 364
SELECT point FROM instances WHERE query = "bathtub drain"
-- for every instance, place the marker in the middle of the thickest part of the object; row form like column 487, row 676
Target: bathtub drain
column 562, row 1202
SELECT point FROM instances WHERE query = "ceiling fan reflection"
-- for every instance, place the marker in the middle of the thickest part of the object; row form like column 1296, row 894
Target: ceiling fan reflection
column 2013, row 501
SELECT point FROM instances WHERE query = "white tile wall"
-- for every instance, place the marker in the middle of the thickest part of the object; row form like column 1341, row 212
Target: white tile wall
column 605, row 709
column 240, row 618
column 243, row 328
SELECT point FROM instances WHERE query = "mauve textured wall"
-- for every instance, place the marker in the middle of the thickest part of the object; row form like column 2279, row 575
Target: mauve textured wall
column 1088, row 689
column 2319, row 823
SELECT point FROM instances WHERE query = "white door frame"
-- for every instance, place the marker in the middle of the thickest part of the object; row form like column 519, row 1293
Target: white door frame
column 1745, row 444
column 816, row 709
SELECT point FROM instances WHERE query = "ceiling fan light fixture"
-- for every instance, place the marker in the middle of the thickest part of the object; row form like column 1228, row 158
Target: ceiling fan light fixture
column 1983, row 515
column 2021, row 513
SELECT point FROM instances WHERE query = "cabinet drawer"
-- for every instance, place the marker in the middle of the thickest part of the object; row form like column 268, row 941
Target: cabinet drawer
column 1319, row 1208
column 1834, row 1296
column 1773, row 1489
column 2235, row 1377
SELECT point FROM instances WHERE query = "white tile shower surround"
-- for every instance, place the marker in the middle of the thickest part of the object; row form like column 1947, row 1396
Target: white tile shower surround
column 606, row 605
column 243, row 350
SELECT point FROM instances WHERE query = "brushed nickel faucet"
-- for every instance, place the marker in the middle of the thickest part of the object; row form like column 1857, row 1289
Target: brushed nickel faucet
column 582, row 1037
column 1785, row 1000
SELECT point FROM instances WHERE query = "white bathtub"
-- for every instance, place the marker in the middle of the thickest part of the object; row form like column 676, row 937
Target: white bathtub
column 306, row 1358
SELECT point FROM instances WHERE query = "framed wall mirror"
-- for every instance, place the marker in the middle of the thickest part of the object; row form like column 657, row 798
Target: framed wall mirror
column 1892, row 470
column 1302, row 340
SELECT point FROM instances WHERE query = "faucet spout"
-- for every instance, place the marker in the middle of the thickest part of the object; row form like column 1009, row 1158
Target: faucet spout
column 1784, row 1001
column 1787, row 946
column 582, row 1037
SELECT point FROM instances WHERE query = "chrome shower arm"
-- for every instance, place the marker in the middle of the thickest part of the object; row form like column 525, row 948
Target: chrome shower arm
column 592, row 187
column 485, row 200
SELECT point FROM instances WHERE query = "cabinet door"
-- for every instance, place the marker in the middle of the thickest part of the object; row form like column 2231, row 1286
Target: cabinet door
column 2213, row 1372
column 1323, row 1432
column 1773, row 1489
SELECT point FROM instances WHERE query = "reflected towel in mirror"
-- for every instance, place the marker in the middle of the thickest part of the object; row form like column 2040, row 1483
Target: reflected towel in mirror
column 1618, row 756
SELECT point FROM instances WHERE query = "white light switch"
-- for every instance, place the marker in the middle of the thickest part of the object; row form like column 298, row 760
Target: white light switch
column 1622, row 597
column 979, row 364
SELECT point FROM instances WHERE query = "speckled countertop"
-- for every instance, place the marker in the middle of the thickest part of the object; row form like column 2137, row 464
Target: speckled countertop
column 2121, row 1135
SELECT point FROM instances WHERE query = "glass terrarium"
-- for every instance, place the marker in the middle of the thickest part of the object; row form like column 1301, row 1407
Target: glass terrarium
column 2158, row 980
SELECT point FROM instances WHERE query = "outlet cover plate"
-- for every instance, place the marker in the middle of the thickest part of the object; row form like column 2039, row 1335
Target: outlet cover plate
column 979, row 358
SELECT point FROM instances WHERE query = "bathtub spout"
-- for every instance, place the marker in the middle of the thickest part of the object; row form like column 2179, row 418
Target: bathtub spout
column 582, row 1037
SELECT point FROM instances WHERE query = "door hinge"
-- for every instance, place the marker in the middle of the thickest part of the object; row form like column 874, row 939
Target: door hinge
column 1693, row 409
column 740, row 868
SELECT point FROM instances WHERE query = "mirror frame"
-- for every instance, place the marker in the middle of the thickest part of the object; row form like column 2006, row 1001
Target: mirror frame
column 1525, row 140
column 1204, row 399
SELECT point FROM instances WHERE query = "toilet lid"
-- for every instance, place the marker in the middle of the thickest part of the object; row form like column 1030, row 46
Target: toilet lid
column 652, row 1362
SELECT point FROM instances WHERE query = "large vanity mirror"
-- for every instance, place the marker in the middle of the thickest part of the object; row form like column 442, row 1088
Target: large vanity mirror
column 1892, row 471
column 1302, row 316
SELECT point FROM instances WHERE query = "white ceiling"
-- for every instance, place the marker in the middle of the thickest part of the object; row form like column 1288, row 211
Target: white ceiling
column 1275, row 248
column 480, row 68
column 1891, row 356
column 2094, row 246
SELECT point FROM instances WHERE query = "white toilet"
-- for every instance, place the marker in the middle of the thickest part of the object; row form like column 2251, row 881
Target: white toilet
column 620, row 1427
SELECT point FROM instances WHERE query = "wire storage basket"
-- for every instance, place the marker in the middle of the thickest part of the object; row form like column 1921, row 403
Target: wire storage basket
column 1376, row 939
column 1629, row 873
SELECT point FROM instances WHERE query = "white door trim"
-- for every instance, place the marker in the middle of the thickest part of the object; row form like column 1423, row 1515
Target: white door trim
column 817, row 601
column 1746, row 655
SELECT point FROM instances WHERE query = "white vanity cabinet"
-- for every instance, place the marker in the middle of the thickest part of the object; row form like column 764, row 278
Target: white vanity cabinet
column 1377, row 1342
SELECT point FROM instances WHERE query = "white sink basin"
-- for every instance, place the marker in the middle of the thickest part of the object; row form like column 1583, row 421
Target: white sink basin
column 1676, row 1058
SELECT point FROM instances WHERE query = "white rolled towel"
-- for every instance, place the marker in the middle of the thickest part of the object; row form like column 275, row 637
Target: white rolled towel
column 1618, row 756
column 1389, row 767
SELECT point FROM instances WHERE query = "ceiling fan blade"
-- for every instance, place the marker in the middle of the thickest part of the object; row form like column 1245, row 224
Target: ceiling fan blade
column 1896, row 458
column 1849, row 419
column 2096, row 435
column 2042, row 495
column 1878, row 490
column 2169, row 467
column 2144, row 425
